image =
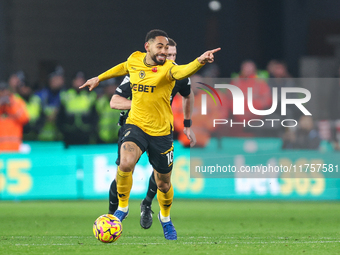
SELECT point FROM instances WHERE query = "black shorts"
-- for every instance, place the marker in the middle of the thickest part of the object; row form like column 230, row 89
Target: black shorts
column 160, row 149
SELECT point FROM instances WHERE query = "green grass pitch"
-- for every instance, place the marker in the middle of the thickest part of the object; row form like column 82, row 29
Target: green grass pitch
column 203, row 227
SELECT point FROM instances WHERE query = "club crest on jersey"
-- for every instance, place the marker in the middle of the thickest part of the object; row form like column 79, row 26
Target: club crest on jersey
column 141, row 74
column 154, row 69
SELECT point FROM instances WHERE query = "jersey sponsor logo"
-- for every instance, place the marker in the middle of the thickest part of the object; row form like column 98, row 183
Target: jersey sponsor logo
column 141, row 74
column 143, row 88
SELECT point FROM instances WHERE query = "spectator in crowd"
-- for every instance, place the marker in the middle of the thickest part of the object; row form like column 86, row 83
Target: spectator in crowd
column 334, row 112
column 50, row 100
column 107, row 118
column 13, row 116
column 262, row 74
column 270, row 67
column 334, row 102
column 261, row 97
column 35, row 111
column 77, row 117
column 280, row 78
column 305, row 137
column 15, row 81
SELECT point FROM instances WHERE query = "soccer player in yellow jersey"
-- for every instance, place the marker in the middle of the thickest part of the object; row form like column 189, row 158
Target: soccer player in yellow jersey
column 120, row 101
column 149, row 125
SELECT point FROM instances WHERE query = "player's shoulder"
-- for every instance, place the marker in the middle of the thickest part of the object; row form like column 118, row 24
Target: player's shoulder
column 137, row 55
column 171, row 62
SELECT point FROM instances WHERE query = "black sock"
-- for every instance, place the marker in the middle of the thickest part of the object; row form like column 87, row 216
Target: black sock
column 113, row 199
column 152, row 191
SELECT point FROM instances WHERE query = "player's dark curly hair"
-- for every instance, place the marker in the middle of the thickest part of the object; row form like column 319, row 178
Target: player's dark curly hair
column 154, row 33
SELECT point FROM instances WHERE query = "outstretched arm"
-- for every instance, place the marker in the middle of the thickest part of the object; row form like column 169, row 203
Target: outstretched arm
column 183, row 71
column 118, row 70
column 208, row 56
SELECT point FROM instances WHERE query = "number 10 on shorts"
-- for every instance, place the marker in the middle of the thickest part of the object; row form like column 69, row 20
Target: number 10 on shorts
column 170, row 157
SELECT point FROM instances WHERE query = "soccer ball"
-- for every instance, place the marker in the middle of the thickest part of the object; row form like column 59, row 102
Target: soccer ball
column 107, row 228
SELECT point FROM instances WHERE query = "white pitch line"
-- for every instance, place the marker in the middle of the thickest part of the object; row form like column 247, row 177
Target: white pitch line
column 191, row 243
column 187, row 237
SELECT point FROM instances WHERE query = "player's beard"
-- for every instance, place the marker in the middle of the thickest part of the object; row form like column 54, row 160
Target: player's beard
column 154, row 58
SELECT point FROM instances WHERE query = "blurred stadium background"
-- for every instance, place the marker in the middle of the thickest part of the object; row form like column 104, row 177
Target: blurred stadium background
column 39, row 36
column 43, row 39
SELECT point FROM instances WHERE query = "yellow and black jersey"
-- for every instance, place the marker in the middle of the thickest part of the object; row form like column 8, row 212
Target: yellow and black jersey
column 151, row 90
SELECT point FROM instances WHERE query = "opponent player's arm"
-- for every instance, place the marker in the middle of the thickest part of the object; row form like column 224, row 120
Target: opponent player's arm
column 179, row 72
column 120, row 103
column 188, row 106
column 118, row 70
column 120, row 99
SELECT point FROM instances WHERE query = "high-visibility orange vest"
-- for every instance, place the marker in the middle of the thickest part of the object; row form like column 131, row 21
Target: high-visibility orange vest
column 12, row 119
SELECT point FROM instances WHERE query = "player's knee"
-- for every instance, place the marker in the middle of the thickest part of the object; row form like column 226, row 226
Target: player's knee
column 163, row 186
column 126, row 165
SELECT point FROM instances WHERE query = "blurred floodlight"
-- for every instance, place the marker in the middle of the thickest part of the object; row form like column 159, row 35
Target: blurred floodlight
column 215, row 6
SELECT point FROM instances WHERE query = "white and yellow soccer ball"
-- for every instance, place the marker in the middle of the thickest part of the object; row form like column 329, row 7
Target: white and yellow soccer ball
column 107, row 228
